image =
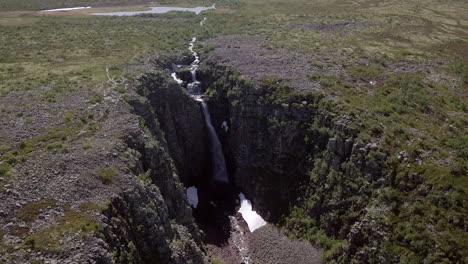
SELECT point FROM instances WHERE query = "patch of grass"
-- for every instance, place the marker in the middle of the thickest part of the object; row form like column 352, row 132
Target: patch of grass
column 276, row 88
column 217, row 261
column 89, row 207
column 106, row 174
column 48, row 239
column 364, row 72
column 53, row 140
column 29, row 212
column 68, row 116
column 19, row 231
column 461, row 70
column 87, row 144
column 96, row 99
column 5, row 169
column 48, row 55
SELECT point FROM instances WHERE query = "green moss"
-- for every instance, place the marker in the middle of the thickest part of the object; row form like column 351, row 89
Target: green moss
column 106, row 174
column 48, row 239
column 29, row 212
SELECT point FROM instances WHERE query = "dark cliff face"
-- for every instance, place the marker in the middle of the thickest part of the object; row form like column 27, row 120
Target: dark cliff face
column 152, row 222
column 181, row 121
column 287, row 149
column 264, row 146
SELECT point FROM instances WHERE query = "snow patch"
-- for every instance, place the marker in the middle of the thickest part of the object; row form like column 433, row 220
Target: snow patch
column 254, row 221
column 192, row 196
column 66, row 9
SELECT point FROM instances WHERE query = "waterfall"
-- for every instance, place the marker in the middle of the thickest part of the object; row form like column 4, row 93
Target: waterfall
column 194, row 89
column 220, row 172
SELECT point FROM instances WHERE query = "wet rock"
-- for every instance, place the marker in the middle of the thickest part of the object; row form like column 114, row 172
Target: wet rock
column 184, row 74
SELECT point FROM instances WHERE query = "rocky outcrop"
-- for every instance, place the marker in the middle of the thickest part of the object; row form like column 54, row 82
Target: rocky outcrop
column 140, row 230
column 153, row 223
column 168, row 107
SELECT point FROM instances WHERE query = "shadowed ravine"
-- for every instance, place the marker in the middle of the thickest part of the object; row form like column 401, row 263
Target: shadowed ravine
column 232, row 229
column 216, row 212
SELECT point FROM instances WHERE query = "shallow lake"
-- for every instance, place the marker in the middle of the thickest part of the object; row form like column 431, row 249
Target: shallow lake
column 159, row 10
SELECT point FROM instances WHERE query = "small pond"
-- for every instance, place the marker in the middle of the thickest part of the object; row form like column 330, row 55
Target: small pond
column 159, row 10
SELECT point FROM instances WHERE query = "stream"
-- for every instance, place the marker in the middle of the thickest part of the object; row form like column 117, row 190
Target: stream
column 215, row 202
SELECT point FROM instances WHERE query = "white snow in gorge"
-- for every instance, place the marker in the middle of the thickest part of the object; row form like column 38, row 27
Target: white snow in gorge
column 192, row 196
column 254, row 221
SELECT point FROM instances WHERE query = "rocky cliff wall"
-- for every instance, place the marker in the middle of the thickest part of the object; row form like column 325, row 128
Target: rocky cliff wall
column 287, row 150
column 152, row 222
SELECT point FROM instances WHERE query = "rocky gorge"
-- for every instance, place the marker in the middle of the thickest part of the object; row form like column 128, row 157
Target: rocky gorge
column 250, row 147
column 303, row 167
column 272, row 137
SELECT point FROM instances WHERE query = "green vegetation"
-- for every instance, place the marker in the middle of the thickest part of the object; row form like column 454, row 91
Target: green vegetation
column 76, row 51
column 106, row 174
column 217, row 261
column 5, row 169
column 409, row 110
column 29, row 212
column 87, row 145
column 48, row 239
column 53, row 140
column 277, row 89
column 19, row 231
column 89, row 207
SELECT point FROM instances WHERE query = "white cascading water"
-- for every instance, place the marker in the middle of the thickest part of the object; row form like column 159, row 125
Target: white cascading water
column 220, row 172
column 194, row 86
column 254, row 221
column 194, row 89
